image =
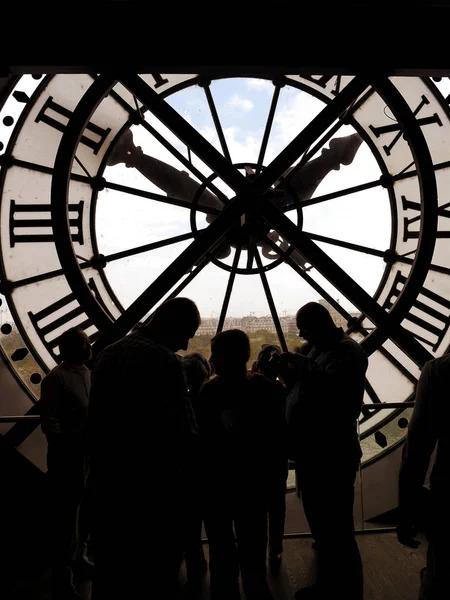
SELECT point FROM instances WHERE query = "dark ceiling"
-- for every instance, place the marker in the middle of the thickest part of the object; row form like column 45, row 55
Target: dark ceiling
column 394, row 38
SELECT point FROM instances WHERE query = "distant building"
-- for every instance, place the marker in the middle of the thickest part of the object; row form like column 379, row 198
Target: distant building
column 339, row 320
column 251, row 323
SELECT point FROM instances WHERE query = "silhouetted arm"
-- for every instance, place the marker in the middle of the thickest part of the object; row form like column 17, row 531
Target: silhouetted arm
column 50, row 405
column 340, row 382
column 337, row 382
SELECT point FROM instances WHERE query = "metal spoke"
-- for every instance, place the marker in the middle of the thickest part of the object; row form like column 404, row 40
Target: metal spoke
column 409, row 261
column 121, row 188
column 185, row 161
column 406, row 168
column 139, row 117
column 268, row 128
column 148, row 247
column 273, row 310
column 251, row 252
column 338, row 194
column 217, row 162
column 341, row 310
column 42, row 277
column 217, row 124
column 372, row 393
column 367, row 410
column 391, row 358
column 226, row 300
column 342, row 244
column 186, row 133
column 20, row 431
column 17, row 162
column 159, row 197
column 304, row 275
column 82, row 166
column 192, row 275
column 136, row 104
column 309, row 134
column 207, row 241
column 382, row 181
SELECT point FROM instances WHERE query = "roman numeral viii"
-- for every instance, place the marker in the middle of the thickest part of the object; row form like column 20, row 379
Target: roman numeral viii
column 57, row 116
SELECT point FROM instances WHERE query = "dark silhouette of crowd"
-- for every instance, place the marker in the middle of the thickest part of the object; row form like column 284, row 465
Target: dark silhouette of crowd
column 161, row 448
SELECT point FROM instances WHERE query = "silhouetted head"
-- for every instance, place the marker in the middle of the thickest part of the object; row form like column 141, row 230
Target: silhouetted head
column 174, row 323
column 269, row 368
column 230, row 352
column 197, row 369
column 315, row 323
column 196, row 356
column 75, row 346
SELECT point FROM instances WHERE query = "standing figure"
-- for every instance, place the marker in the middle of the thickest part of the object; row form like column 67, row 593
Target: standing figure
column 235, row 417
column 428, row 427
column 322, row 408
column 197, row 370
column 64, row 410
column 141, row 433
column 267, row 364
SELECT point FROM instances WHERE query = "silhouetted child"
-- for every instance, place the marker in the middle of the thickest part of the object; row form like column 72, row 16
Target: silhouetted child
column 267, row 365
column 235, row 417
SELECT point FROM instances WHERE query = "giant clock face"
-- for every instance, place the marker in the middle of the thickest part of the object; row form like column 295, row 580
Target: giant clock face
column 251, row 196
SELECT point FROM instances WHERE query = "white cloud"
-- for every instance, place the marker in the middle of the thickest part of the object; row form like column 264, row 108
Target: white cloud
column 260, row 85
column 238, row 102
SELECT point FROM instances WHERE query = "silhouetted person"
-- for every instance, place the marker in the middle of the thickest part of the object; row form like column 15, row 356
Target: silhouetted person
column 267, row 364
column 142, row 425
column 322, row 408
column 428, row 427
column 64, row 410
column 197, row 370
column 235, row 417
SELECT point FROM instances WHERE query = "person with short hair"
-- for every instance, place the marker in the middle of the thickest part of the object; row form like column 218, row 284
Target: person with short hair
column 142, row 428
column 322, row 409
column 64, row 410
column 235, row 417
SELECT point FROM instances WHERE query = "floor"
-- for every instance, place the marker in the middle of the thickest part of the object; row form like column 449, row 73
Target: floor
column 391, row 572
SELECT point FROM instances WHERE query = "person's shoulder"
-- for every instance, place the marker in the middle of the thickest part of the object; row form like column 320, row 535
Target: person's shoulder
column 256, row 381
column 440, row 365
column 57, row 373
column 54, row 378
column 208, row 390
column 352, row 345
column 211, row 384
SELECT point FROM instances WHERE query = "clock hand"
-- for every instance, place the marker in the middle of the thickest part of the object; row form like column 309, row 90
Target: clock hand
column 172, row 181
column 302, row 179
column 305, row 179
